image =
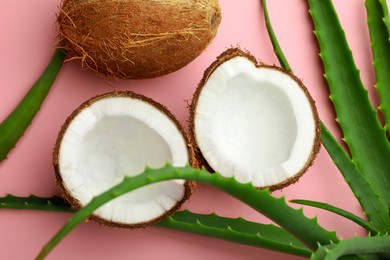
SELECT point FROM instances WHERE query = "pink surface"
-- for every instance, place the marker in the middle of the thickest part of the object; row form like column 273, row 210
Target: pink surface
column 27, row 42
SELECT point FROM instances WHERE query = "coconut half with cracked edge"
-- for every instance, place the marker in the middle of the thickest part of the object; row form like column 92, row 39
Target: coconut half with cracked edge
column 255, row 122
column 118, row 134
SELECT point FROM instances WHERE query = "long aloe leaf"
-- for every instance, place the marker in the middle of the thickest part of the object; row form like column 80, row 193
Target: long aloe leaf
column 275, row 43
column 305, row 229
column 35, row 203
column 14, row 126
column 363, row 133
column 269, row 231
column 378, row 245
column 236, row 230
column 341, row 212
column 374, row 206
column 380, row 45
column 386, row 18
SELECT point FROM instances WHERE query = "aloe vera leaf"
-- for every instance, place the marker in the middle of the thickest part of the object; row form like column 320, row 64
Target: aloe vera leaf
column 341, row 212
column 373, row 205
column 14, row 126
column 238, row 224
column 386, row 18
column 363, row 133
column 321, row 254
column 236, row 230
column 275, row 43
column 345, row 165
column 367, row 197
column 241, row 225
column 378, row 245
column 305, row 229
column 33, row 202
column 380, row 46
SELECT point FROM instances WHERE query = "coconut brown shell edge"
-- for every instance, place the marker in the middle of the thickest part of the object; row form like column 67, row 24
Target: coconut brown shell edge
column 66, row 194
column 222, row 58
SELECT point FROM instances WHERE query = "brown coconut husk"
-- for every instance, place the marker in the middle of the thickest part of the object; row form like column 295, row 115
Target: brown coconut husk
column 75, row 203
column 237, row 52
column 137, row 39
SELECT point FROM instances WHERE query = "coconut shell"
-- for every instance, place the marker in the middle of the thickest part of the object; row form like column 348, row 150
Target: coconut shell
column 136, row 39
column 222, row 58
column 75, row 203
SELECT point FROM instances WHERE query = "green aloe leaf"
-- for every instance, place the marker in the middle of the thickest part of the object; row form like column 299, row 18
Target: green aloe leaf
column 373, row 205
column 236, row 230
column 378, row 245
column 386, row 18
column 363, row 133
column 305, row 229
column 340, row 212
column 380, row 45
column 33, row 202
column 275, row 43
column 269, row 231
column 14, row 126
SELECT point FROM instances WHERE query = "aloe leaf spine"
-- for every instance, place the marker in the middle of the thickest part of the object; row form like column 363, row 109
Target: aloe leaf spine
column 305, row 229
column 363, row 133
column 14, row 126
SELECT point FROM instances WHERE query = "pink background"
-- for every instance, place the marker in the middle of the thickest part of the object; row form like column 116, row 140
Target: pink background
column 27, row 41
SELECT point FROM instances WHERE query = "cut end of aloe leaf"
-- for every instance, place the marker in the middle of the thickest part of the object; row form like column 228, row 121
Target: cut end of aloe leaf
column 255, row 122
column 115, row 135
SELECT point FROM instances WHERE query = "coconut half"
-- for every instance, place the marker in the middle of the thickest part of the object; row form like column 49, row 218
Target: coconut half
column 118, row 134
column 255, row 122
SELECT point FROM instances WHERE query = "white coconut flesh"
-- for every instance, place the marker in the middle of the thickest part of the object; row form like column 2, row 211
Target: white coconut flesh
column 255, row 124
column 119, row 136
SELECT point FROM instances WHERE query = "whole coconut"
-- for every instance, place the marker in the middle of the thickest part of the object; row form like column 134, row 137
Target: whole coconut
column 137, row 39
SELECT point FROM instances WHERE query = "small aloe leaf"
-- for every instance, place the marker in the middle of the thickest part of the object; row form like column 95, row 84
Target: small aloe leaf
column 277, row 49
column 374, row 206
column 340, row 212
column 386, row 18
column 236, row 230
column 363, row 133
column 380, row 45
column 305, row 229
column 14, row 126
column 33, row 202
column 211, row 225
column 378, row 245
